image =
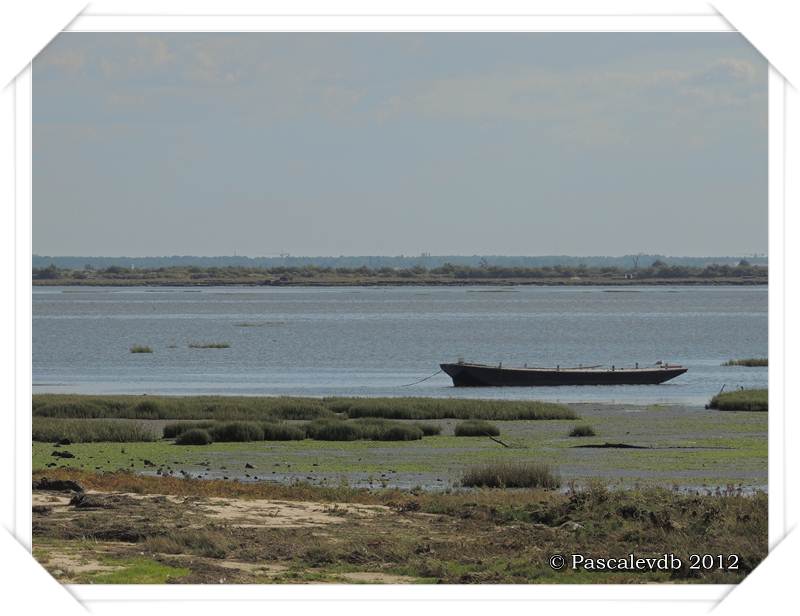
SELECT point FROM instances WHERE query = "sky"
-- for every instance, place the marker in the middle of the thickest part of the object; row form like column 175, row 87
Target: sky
column 257, row 144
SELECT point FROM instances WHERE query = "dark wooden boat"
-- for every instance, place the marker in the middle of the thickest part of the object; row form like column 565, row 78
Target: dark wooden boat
column 481, row 375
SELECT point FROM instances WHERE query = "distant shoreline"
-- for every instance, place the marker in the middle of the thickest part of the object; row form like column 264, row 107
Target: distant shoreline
column 585, row 282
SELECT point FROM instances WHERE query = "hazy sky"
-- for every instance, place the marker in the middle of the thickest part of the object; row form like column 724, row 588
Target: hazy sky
column 328, row 144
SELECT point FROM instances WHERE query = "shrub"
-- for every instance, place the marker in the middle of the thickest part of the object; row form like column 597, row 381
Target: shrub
column 237, row 432
column 475, row 427
column 511, row 475
column 195, row 436
column 137, row 348
column 282, row 432
column 209, row 345
column 583, row 430
column 742, row 400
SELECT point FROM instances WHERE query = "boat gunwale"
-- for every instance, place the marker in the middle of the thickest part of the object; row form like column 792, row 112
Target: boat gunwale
column 592, row 370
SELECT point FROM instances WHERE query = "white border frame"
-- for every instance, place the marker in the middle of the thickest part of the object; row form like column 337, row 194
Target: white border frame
column 310, row 23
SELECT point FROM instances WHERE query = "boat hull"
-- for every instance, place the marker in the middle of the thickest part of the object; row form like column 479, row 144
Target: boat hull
column 473, row 375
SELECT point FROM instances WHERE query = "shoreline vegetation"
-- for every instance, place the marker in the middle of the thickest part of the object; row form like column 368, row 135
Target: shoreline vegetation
column 751, row 362
column 264, row 408
column 742, row 400
column 659, row 273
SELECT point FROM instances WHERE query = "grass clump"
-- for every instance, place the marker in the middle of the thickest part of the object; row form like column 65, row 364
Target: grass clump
column 333, row 430
column 511, row 475
column 742, row 400
column 429, row 429
column 198, row 541
column 447, row 408
column 209, row 345
column 476, row 428
column 582, row 430
column 750, row 362
column 49, row 430
column 237, row 432
column 173, row 430
column 139, row 348
column 282, row 432
column 195, row 436
column 367, row 429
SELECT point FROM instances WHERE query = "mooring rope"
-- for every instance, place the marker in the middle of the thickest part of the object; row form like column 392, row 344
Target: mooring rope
column 425, row 379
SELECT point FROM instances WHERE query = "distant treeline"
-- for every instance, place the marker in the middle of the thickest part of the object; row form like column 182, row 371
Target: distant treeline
column 377, row 262
column 448, row 272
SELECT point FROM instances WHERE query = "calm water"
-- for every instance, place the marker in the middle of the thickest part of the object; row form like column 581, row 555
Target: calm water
column 370, row 342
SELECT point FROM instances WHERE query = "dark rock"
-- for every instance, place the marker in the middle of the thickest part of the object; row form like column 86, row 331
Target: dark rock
column 65, row 441
column 148, row 463
column 57, row 485
column 62, row 454
column 248, row 465
column 42, row 509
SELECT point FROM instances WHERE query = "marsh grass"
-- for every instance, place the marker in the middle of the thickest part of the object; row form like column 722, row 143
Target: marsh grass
column 225, row 408
column 209, row 345
column 282, row 432
column 236, row 432
column 582, row 430
column 429, row 429
column 447, row 408
column 751, row 362
column 742, row 400
column 138, row 348
column 194, row 436
column 511, row 475
column 173, row 430
column 250, row 408
column 50, row 430
column 475, row 427
column 361, row 429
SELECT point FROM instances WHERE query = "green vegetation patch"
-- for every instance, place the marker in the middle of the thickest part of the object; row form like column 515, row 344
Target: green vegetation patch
column 138, row 348
column 476, row 427
column 742, row 400
column 49, row 430
column 195, row 436
column 227, row 408
column 751, row 362
column 448, row 408
column 511, row 475
column 139, row 571
column 209, row 345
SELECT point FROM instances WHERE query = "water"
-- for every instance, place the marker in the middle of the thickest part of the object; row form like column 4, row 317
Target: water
column 372, row 341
